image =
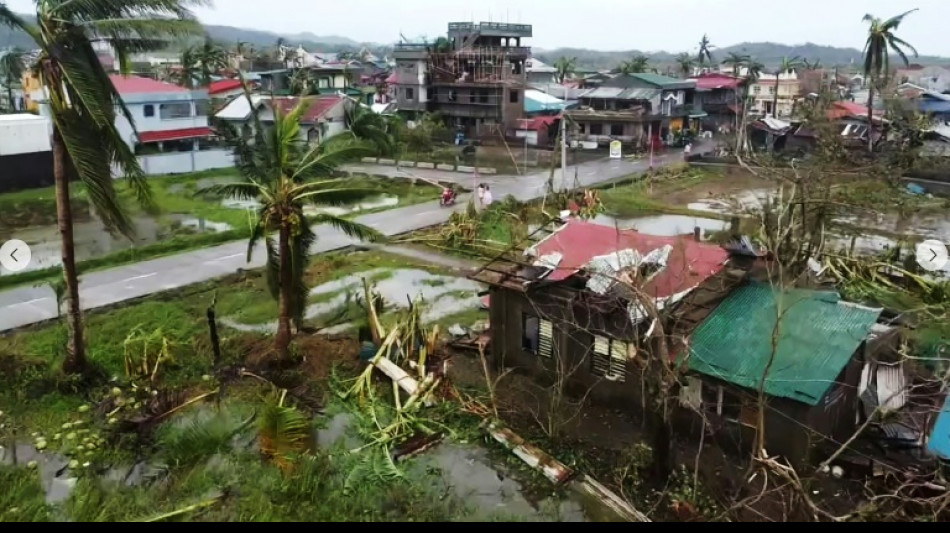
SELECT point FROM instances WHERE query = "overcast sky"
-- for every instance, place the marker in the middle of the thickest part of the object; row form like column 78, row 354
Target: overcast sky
column 650, row 25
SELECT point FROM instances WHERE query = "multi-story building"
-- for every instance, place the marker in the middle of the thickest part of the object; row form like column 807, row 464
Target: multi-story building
column 634, row 108
column 763, row 93
column 475, row 78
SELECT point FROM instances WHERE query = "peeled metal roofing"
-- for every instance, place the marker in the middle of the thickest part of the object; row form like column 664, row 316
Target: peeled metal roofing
column 605, row 92
column 818, row 335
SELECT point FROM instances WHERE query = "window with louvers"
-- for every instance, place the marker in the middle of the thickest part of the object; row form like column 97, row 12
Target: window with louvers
column 609, row 359
column 546, row 339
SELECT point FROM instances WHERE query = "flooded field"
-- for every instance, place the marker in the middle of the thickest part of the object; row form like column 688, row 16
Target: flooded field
column 443, row 296
column 92, row 240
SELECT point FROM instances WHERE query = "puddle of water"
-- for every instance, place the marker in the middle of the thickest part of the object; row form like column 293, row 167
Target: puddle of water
column 444, row 296
column 490, row 492
column 469, row 472
column 665, row 225
column 92, row 240
column 48, row 465
column 338, row 431
column 377, row 202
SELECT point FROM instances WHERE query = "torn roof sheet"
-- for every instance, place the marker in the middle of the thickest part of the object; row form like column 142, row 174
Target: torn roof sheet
column 689, row 264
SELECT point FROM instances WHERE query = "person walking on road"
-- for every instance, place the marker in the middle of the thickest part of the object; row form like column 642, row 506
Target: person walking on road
column 481, row 194
column 486, row 197
column 687, row 151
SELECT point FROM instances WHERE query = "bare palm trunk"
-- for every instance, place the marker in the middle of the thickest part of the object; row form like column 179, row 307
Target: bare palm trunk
column 871, row 116
column 775, row 98
column 10, row 103
column 286, row 294
column 75, row 348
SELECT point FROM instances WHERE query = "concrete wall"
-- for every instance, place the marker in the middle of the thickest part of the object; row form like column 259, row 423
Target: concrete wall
column 184, row 162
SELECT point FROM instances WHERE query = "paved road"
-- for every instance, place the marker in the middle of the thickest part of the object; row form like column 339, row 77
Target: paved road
column 23, row 306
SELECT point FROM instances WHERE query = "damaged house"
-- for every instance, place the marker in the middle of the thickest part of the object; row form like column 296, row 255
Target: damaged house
column 808, row 346
column 567, row 306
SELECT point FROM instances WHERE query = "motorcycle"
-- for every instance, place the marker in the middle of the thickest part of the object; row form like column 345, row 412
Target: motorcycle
column 448, row 200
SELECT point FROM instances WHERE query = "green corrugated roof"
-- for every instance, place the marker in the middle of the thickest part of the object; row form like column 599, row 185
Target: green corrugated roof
column 818, row 336
column 662, row 81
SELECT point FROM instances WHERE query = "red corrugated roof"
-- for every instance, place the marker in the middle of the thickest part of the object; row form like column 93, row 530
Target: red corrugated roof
column 319, row 106
column 174, row 135
column 224, row 86
column 138, row 84
column 839, row 110
column 690, row 263
column 539, row 123
column 712, row 80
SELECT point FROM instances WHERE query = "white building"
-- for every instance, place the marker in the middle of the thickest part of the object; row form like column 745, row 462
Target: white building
column 171, row 133
column 26, row 157
column 324, row 118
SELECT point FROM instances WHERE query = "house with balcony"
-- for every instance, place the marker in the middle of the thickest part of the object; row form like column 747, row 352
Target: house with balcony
column 476, row 79
column 721, row 97
column 171, row 133
column 763, row 93
column 635, row 108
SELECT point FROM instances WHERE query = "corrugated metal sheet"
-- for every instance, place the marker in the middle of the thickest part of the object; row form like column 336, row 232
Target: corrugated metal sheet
column 818, row 336
column 939, row 441
column 891, row 387
column 605, row 92
column 639, row 94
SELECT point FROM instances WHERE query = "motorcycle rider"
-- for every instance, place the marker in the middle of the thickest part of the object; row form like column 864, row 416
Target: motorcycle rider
column 448, row 196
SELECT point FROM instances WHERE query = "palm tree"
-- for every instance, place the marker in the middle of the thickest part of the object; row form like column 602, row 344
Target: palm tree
column 279, row 169
column 686, row 64
column 565, row 68
column 637, row 65
column 754, row 70
column 11, row 71
column 788, row 64
column 881, row 41
column 83, row 103
column 211, row 58
column 736, row 61
column 190, row 69
column 811, row 65
column 366, row 125
column 705, row 52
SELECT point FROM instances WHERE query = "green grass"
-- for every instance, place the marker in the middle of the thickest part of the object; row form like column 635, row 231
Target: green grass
column 173, row 195
column 645, row 195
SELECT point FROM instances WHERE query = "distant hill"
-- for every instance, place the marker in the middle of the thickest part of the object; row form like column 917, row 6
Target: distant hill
column 770, row 54
column 226, row 35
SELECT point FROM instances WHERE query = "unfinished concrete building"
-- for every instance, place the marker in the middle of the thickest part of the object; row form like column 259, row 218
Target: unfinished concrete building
column 475, row 78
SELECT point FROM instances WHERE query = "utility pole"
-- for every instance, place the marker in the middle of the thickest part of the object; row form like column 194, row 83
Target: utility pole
column 564, row 150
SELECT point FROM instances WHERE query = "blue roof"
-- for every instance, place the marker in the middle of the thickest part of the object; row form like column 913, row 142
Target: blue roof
column 537, row 101
column 939, row 442
column 927, row 105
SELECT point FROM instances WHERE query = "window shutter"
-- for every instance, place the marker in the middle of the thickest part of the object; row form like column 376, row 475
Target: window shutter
column 619, row 354
column 546, row 339
column 600, row 360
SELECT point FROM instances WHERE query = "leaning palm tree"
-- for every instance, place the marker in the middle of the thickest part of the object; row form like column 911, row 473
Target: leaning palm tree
column 190, row 69
column 736, row 61
column 211, row 58
column 83, row 104
column 881, row 41
column 788, row 64
column 284, row 175
column 11, row 71
column 564, row 68
column 753, row 70
column 705, row 52
column 364, row 124
column 686, row 64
